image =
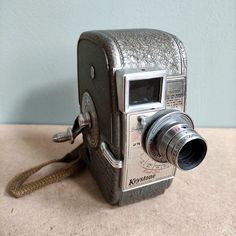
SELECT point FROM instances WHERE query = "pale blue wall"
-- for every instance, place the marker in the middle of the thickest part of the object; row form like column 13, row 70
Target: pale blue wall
column 38, row 53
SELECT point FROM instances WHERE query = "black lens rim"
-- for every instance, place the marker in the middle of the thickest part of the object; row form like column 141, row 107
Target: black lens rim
column 197, row 148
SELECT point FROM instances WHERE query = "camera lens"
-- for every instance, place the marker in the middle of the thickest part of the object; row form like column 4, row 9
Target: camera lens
column 169, row 137
column 192, row 154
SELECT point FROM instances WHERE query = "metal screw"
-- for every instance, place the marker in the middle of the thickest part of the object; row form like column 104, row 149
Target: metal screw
column 92, row 72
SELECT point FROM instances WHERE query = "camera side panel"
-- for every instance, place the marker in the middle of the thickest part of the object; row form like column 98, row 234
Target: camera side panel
column 106, row 176
column 90, row 56
column 94, row 79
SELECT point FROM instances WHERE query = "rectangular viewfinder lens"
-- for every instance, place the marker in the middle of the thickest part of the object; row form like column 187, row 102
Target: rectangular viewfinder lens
column 145, row 91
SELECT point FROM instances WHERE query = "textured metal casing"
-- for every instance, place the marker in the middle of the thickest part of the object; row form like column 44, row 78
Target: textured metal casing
column 109, row 51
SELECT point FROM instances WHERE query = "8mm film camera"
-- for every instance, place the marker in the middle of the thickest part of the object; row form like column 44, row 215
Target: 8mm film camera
column 132, row 92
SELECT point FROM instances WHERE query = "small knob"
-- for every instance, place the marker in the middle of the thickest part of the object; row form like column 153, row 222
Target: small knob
column 81, row 121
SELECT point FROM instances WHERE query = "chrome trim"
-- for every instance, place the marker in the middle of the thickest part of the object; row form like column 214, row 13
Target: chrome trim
column 175, row 77
column 123, row 78
column 110, row 157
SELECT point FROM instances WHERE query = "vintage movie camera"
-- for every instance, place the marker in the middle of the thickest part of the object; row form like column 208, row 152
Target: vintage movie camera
column 132, row 93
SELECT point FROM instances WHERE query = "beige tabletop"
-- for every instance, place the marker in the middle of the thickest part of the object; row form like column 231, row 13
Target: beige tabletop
column 199, row 202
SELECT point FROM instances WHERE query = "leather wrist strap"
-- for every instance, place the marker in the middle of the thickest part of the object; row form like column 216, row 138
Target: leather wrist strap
column 18, row 188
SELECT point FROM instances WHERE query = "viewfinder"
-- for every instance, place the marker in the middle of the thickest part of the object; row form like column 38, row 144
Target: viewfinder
column 145, row 91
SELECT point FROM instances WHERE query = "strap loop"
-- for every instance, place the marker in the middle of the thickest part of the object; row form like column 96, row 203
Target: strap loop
column 18, row 188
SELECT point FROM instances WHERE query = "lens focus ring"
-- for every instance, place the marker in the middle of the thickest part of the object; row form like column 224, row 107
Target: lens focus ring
column 171, row 138
column 167, row 134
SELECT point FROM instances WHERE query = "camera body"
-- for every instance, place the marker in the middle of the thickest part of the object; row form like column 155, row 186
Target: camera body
column 127, row 81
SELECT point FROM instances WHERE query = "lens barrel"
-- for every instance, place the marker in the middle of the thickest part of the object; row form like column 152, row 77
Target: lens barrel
column 170, row 137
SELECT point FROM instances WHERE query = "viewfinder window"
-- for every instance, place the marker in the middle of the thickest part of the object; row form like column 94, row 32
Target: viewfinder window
column 145, row 91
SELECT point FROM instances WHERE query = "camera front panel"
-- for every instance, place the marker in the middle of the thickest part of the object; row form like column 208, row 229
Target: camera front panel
column 141, row 95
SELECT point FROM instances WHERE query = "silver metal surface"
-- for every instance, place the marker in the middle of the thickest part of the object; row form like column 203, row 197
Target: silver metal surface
column 153, row 142
column 136, row 52
column 123, row 78
column 140, row 48
column 178, row 142
column 139, row 169
column 110, row 157
column 137, row 163
column 182, row 54
column 169, row 134
column 176, row 92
